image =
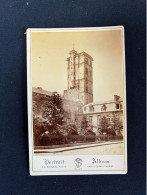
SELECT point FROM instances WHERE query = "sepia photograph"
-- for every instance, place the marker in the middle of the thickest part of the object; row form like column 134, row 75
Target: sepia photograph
column 72, row 89
column 78, row 92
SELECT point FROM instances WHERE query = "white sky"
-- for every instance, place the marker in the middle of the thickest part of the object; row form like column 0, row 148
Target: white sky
column 50, row 51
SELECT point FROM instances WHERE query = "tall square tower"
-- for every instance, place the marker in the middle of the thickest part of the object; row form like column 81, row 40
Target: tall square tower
column 80, row 77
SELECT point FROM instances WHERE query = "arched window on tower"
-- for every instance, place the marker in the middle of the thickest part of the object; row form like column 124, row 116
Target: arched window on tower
column 86, row 81
column 86, row 89
column 86, row 71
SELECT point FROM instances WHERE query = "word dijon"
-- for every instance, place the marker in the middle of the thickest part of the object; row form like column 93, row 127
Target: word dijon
column 53, row 162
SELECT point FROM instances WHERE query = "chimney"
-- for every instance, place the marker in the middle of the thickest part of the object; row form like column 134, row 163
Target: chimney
column 116, row 97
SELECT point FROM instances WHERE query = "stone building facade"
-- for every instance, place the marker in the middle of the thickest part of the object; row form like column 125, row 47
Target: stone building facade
column 74, row 111
column 94, row 112
column 79, row 78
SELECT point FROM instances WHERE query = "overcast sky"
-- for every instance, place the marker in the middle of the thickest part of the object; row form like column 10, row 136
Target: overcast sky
column 51, row 49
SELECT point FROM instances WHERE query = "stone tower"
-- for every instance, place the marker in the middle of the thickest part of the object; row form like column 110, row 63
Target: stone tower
column 80, row 77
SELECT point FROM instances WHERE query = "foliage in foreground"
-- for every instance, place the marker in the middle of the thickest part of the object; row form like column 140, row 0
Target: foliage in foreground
column 111, row 129
column 51, row 129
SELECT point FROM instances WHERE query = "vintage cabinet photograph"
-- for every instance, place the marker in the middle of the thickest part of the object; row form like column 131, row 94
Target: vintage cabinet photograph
column 77, row 101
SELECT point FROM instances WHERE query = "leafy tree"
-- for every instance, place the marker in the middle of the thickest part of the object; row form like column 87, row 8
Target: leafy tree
column 38, row 129
column 117, row 124
column 87, row 134
column 105, row 127
column 104, row 124
column 84, row 123
column 51, row 115
column 53, row 112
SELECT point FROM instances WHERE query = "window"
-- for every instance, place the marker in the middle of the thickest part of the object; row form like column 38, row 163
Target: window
column 90, row 120
column 117, row 106
column 91, row 108
column 86, row 71
column 86, row 101
column 103, row 108
column 84, row 108
column 87, row 89
column 98, row 120
column 86, row 81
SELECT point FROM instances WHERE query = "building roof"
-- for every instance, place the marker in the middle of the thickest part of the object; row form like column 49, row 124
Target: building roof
column 86, row 54
column 104, row 102
column 41, row 91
